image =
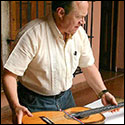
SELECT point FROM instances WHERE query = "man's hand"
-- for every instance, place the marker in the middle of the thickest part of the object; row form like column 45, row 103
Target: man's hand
column 109, row 99
column 18, row 113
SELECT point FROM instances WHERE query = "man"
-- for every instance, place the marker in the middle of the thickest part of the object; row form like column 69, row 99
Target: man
column 47, row 54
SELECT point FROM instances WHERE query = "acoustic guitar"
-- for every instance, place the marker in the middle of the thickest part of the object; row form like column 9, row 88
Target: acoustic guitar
column 76, row 115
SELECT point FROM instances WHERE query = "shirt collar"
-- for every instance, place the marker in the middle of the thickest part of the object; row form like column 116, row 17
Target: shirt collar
column 53, row 27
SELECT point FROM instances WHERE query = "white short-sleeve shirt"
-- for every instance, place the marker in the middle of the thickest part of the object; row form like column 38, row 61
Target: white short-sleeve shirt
column 43, row 61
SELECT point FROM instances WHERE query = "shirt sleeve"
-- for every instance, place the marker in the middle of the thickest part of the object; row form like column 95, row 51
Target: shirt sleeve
column 87, row 57
column 22, row 54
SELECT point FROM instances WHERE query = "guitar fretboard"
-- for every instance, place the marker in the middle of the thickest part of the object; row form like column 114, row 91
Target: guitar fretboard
column 97, row 110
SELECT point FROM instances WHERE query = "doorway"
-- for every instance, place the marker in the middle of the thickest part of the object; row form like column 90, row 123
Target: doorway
column 109, row 20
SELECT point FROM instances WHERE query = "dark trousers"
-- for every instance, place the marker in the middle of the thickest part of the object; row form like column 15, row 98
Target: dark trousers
column 35, row 102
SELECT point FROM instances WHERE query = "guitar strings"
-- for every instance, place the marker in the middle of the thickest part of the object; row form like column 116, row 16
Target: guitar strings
column 72, row 117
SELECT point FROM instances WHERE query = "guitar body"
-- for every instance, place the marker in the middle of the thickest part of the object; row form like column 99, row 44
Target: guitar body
column 59, row 117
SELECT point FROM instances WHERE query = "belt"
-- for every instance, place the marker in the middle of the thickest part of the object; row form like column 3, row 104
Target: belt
column 57, row 96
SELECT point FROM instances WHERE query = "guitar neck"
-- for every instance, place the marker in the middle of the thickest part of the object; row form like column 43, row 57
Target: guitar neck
column 97, row 110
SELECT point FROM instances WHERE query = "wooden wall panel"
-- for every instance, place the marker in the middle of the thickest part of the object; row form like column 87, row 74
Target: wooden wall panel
column 40, row 8
column 21, row 12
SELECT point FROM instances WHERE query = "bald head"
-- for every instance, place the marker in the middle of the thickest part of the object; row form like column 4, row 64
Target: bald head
column 68, row 6
column 81, row 5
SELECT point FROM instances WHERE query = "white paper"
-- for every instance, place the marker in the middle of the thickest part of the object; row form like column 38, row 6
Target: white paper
column 111, row 118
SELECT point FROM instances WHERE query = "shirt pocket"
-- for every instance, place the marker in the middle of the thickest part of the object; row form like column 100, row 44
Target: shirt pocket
column 75, row 60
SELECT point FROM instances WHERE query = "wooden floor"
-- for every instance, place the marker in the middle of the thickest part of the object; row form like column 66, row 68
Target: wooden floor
column 83, row 95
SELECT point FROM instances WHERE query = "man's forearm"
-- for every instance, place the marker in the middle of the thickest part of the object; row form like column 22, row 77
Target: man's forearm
column 10, row 89
column 94, row 79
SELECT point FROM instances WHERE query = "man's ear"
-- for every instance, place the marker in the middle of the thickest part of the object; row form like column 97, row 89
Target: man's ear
column 60, row 12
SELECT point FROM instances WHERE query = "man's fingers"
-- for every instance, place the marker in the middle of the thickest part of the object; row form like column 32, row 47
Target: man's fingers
column 20, row 117
column 28, row 113
column 114, row 102
column 23, row 112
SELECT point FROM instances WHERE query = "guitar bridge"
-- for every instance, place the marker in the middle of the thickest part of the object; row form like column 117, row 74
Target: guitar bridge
column 46, row 120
